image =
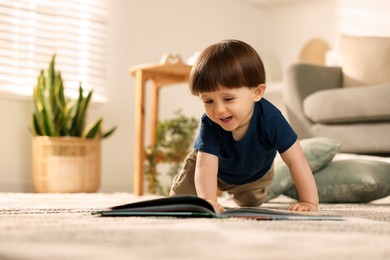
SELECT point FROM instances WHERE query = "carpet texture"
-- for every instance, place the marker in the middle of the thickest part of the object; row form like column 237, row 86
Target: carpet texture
column 60, row 226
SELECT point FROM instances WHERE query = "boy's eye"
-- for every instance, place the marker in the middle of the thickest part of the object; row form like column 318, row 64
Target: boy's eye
column 228, row 99
column 207, row 101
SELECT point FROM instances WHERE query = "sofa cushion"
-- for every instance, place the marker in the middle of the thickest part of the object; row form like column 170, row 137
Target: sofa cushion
column 351, row 181
column 318, row 151
column 349, row 105
column 365, row 60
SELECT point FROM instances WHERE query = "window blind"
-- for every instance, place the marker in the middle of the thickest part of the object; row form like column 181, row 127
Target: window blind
column 32, row 30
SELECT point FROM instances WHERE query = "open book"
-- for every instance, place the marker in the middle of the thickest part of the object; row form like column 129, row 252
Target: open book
column 192, row 206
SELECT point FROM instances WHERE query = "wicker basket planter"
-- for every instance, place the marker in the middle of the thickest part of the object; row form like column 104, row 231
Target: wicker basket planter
column 66, row 164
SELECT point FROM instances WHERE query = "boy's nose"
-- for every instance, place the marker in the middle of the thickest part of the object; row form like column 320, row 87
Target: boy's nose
column 219, row 109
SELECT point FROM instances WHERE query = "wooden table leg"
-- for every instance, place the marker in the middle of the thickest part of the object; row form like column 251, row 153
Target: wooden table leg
column 139, row 153
column 154, row 103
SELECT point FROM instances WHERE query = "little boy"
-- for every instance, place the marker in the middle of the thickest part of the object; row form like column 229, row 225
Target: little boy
column 240, row 133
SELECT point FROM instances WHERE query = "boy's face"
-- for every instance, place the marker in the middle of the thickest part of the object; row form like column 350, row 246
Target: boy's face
column 232, row 109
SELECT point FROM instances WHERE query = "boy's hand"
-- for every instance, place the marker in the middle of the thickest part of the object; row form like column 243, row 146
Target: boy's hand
column 217, row 207
column 303, row 206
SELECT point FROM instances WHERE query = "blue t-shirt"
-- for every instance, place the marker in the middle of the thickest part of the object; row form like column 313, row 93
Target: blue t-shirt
column 251, row 157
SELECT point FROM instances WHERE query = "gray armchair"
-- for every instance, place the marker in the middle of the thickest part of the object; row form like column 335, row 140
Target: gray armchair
column 319, row 105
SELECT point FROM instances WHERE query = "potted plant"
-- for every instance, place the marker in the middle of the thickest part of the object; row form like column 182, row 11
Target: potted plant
column 66, row 151
column 173, row 142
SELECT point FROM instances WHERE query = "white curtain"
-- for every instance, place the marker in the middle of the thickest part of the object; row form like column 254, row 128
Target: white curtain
column 32, row 30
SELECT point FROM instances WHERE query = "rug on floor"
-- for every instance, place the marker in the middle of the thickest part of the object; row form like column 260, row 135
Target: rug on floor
column 61, row 226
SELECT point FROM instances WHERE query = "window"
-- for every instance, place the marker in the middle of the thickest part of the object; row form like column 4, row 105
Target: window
column 32, row 30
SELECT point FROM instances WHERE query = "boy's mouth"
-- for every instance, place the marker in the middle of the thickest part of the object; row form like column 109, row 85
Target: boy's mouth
column 226, row 119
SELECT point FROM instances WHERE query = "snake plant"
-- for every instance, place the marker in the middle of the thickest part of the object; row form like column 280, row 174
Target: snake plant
column 56, row 115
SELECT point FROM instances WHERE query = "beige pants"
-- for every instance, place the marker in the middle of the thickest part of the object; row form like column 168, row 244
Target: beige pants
column 250, row 194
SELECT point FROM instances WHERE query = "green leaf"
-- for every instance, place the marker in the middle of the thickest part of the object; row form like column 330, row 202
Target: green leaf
column 75, row 130
column 69, row 113
column 51, row 74
column 47, row 122
column 93, row 129
column 58, row 107
column 38, row 124
column 83, row 112
column 50, row 86
column 109, row 132
column 59, row 91
column 47, row 109
column 36, row 127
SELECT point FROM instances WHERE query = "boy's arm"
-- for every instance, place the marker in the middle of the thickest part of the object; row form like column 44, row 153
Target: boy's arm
column 206, row 172
column 303, row 178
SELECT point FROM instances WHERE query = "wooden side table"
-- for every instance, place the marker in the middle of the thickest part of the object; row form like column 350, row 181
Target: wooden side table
column 161, row 75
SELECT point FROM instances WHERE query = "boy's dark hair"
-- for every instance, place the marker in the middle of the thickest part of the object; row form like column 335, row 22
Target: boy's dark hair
column 230, row 64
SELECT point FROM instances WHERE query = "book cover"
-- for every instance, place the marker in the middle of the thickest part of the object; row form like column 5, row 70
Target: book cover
column 195, row 207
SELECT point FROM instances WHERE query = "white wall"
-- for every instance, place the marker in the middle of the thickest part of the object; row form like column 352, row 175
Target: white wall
column 294, row 24
column 364, row 17
column 142, row 31
column 15, row 145
column 297, row 21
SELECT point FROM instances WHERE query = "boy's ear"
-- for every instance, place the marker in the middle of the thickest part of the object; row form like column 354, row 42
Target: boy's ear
column 259, row 92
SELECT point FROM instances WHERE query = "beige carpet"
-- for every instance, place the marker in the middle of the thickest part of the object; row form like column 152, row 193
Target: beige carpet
column 57, row 226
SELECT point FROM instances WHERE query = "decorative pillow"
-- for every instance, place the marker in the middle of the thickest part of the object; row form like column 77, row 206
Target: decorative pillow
column 365, row 60
column 319, row 152
column 351, row 181
column 327, row 106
